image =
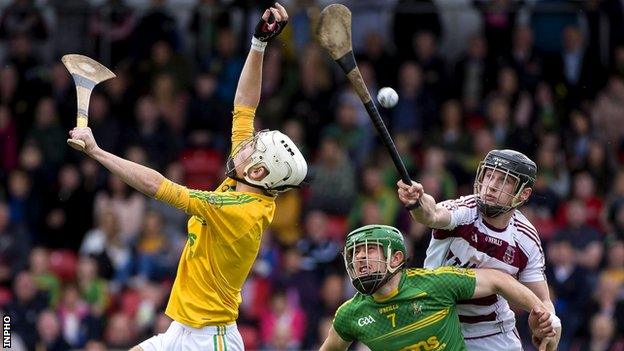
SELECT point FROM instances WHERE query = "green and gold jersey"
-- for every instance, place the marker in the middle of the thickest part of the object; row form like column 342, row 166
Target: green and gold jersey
column 419, row 316
column 224, row 234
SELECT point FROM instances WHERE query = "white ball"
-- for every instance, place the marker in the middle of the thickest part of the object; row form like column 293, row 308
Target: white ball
column 387, row 97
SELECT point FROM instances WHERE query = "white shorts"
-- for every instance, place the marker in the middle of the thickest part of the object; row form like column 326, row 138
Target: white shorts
column 182, row 337
column 509, row 341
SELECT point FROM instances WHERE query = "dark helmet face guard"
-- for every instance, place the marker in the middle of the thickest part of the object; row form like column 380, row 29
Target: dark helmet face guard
column 496, row 207
column 367, row 255
column 516, row 168
column 367, row 273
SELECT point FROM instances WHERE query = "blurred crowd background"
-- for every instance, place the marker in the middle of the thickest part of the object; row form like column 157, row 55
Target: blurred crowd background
column 86, row 262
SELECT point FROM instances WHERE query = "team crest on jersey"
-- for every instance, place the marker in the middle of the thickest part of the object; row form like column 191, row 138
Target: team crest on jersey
column 509, row 255
column 417, row 308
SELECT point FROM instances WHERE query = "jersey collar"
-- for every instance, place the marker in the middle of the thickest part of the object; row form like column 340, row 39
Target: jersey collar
column 385, row 298
column 393, row 293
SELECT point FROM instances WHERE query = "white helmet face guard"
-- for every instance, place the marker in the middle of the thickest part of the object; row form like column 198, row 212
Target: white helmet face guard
column 286, row 168
column 251, row 146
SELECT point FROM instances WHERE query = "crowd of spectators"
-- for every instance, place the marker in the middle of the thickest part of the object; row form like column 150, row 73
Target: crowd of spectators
column 86, row 262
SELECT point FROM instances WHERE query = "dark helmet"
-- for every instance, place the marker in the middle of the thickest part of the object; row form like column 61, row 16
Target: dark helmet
column 389, row 239
column 513, row 164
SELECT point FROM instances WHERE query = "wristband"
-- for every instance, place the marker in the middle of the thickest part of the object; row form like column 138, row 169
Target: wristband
column 257, row 44
column 555, row 321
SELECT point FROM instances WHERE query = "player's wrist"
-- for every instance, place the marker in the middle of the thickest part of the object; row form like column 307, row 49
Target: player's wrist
column 412, row 205
column 257, row 44
column 95, row 152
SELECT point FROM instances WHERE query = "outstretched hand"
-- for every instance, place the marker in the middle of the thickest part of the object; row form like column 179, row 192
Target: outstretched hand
column 273, row 21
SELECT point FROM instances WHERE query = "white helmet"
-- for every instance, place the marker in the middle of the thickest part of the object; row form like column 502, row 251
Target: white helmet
column 279, row 155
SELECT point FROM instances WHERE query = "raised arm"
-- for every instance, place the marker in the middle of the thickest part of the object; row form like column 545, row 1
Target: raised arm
column 273, row 21
column 250, row 81
column 249, row 86
column 143, row 179
column 429, row 212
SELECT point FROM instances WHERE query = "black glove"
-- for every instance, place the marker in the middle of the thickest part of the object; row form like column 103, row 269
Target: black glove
column 264, row 34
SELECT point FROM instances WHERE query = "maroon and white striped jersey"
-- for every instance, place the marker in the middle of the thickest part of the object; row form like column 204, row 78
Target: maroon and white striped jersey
column 468, row 241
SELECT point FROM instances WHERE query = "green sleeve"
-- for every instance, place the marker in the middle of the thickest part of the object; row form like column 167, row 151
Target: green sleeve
column 341, row 323
column 457, row 283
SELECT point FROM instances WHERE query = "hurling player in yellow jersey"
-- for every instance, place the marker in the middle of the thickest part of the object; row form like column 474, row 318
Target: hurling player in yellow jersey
column 226, row 225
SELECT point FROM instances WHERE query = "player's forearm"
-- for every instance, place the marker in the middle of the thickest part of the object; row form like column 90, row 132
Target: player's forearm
column 334, row 342
column 516, row 293
column 143, row 179
column 540, row 289
column 250, row 81
column 326, row 347
column 430, row 214
column 550, row 307
column 426, row 211
column 330, row 344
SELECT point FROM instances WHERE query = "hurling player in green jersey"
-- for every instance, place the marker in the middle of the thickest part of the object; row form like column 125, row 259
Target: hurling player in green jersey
column 414, row 309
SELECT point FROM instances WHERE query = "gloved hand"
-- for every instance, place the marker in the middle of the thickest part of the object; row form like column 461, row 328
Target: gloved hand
column 273, row 21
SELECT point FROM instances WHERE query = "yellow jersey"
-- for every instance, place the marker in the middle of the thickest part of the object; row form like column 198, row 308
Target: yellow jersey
column 224, row 234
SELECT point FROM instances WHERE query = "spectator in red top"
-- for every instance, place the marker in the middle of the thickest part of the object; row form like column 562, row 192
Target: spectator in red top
column 583, row 189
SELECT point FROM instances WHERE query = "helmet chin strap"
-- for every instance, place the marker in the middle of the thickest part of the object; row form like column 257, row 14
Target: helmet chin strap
column 372, row 283
column 369, row 284
column 491, row 210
